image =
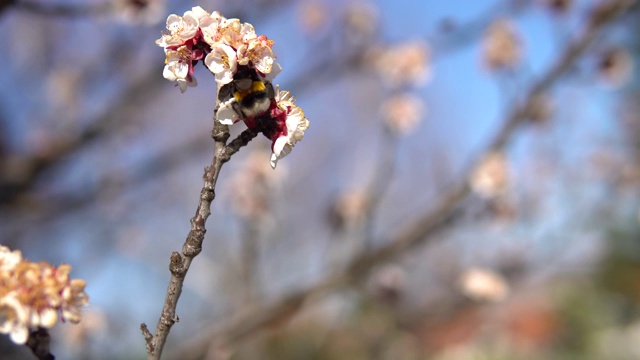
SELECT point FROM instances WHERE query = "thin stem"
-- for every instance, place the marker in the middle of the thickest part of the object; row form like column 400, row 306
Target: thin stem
column 38, row 342
column 180, row 262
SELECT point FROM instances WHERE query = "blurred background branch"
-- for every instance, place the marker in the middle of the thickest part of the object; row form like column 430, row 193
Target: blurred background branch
column 497, row 233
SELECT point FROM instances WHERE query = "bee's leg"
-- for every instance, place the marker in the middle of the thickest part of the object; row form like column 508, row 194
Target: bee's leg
column 270, row 92
column 225, row 92
column 238, row 109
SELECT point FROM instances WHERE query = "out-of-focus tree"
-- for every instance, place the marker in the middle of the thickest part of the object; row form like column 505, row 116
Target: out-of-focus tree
column 468, row 186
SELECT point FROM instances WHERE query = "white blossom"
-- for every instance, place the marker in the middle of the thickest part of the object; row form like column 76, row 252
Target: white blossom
column 296, row 124
column 178, row 67
column 181, row 29
column 222, row 62
column 14, row 318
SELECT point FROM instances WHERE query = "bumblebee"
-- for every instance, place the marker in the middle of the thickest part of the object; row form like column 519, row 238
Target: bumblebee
column 251, row 93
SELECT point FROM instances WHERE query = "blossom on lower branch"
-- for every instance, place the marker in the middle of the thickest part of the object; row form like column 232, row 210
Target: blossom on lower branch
column 34, row 295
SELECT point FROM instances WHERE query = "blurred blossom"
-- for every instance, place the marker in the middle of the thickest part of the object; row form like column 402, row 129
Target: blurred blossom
column 402, row 113
column 216, row 351
column 77, row 338
column 405, row 64
column 361, row 22
column 501, row 47
column 9, row 259
column 502, row 209
column 558, row 6
column 491, row 177
column 312, row 16
column 619, row 343
column 530, row 321
column 253, row 187
column 389, row 282
column 33, row 295
column 605, row 163
column 351, row 207
column 483, row 285
column 615, row 67
column 63, row 87
column 147, row 12
column 629, row 177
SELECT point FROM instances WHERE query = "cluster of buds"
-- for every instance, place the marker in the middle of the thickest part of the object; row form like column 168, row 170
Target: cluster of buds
column 244, row 66
column 34, row 295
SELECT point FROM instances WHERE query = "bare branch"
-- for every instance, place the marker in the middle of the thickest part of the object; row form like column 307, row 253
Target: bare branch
column 180, row 262
column 12, row 189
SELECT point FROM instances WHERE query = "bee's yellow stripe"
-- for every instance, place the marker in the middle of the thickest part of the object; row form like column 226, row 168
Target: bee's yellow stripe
column 256, row 86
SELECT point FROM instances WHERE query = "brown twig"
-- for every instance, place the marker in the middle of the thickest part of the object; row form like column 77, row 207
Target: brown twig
column 38, row 342
column 180, row 263
column 418, row 231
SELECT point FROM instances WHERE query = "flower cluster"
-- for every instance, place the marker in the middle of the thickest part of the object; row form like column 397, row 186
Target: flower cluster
column 222, row 43
column 502, row 48
column 244, row 66
column 33, row 295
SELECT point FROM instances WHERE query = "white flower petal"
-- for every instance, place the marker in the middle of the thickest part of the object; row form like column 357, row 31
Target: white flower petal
column 168, row 73
column 14, row 318
column 180, row 69
column 184, row 83
column 191, row 24
column 199, row 13
column 48, row 317
column 273, row 161
column 19, row 334
column 222, row 62
column 9, row 259
column 71, row 314
column 275, row 70
column 279, row 145
column 174, row 23
column 226, row 115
